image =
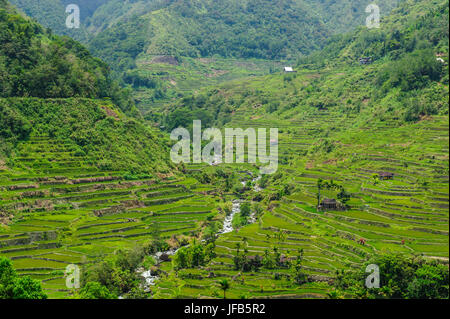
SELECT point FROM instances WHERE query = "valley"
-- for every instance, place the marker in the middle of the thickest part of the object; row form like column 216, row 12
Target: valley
column 363, row 165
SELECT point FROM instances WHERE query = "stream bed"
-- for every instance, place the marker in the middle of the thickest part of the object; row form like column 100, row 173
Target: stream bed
column 150, row 278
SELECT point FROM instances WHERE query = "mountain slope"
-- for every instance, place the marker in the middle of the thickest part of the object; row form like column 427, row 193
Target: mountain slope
column 348, row 125
column 159, row 46
column 405, row 71
column 52, row 86
column 52, row 14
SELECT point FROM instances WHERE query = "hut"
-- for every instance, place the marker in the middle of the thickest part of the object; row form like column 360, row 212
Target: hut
column 288, row 69
column 386, row 176
column 329, row 204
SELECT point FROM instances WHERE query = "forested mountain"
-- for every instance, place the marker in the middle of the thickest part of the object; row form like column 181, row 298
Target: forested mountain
column 36, row 63
column 415, row 25
column 232, row 28
column 344, row 15
column 51, row 85
column 52, row 14
column 405, row 79
column 159, row 46
column 256, row 28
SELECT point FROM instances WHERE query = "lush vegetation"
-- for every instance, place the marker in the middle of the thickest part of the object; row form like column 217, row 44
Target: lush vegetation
column 14, row 287
column 158, row 46
column 34, row 63
column 83, row 183
column 401, row 278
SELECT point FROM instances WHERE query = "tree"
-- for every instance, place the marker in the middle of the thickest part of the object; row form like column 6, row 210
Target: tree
column 14, row 287
column 224, row 285
column 342, row 195
column 245, row 209
column 401, row 277
column 95, row 290
column 299, row 276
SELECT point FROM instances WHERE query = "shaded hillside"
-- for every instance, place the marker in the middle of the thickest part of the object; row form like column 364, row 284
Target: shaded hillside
column 232, row 28
column 52, row 14
column 35, row 63
column 136, row 37
column 415, row 25
column 51, row 86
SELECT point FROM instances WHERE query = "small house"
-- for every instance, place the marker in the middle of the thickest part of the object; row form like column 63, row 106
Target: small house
column 366, row 60
column 328, row 204
column 288, row 69
column 384, row 176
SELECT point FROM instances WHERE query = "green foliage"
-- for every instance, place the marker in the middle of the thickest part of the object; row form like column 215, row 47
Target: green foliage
column 224, row 285
column 14, row 287
column 241, row 219
column 94, row 290
column 35, row 63
column 245, row 209
column 412, row 72
column 299, row 276
column 115, row 275
column 414, row 25
column 95, row 127
column 13, row 128
column 194, row 255
column 401, row 277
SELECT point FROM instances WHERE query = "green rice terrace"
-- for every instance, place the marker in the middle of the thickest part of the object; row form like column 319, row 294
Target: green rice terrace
column 86, row 176
column 67, row 212
column 406, row 215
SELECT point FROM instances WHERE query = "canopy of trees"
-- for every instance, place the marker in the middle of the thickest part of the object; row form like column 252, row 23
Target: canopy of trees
column 13, row 286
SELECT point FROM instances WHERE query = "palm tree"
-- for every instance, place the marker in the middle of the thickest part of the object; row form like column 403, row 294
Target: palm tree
column 224, row 285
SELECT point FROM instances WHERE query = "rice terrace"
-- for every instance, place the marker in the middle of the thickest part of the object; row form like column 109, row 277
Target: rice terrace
column 94, row 206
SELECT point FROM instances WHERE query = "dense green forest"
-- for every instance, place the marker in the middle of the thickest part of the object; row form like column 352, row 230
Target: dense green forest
column 258, row 28
column 137, row 38
column 52, row 14
column 37, row 64
column 254, row 29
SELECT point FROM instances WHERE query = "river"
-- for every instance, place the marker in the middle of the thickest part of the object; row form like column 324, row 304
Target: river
column 150, row 278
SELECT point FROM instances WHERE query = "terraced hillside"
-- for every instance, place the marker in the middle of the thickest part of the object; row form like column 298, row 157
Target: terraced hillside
column 407, row 215
column 62, row 210
column 346, row 124
column 363, row 162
